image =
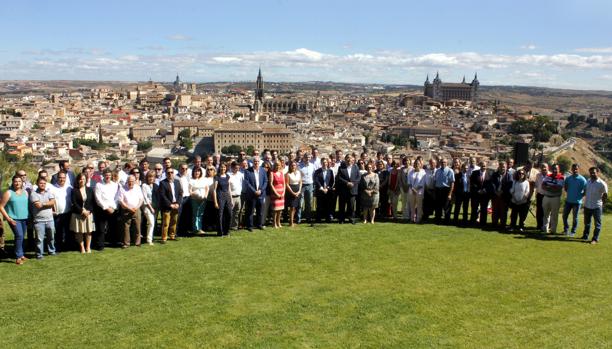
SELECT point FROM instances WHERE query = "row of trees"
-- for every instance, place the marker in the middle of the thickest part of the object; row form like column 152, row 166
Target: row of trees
column 236, row 149
column 540, row 126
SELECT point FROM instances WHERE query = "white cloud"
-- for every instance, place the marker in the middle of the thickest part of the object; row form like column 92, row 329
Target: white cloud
column 304, row 64
column 594, row 50
column 529, row 47
column 178, row 37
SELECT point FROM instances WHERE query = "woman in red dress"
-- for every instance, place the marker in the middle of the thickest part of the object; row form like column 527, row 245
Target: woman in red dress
column 277, row 188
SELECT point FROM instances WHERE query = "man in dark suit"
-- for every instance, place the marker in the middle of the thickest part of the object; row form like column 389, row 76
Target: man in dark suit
column 170, row 194
column 256, row 182
column 462, row 194
column 347, row 187
column 64, row 166
column 478, row 194
column 324, row 183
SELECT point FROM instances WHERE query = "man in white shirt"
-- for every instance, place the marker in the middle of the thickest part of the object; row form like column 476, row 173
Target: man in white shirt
column 62, row 192
column 316, row 159
column 107, row 196
column 184, row 223
column 130, row 199
column 235, row 183
column 307, row 168
column 596, row 195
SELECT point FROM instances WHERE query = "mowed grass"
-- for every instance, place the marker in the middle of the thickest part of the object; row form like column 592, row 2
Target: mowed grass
column 332, row 286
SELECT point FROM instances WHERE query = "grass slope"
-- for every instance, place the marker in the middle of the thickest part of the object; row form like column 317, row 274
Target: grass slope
column 387, row 285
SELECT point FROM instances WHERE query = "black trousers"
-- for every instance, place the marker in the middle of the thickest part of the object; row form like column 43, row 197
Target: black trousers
column 539, row 210
column 520, row 211
column 462, row 201
column 225, row 212
column 106, row 228
column 479, row 204
column 383, row 206
column 253, row 205
column 442, row 205
column 184, row 219
column 429, row 203
column 346, row 208
column 325, row 206
column 64, row 240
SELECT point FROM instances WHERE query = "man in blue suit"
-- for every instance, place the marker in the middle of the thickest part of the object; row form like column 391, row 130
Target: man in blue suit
column 256, row 182
column 347, row 187
column 64, row 166
column 324, row 183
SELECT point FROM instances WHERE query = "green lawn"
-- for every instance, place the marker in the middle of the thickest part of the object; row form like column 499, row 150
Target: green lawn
column 387, row 285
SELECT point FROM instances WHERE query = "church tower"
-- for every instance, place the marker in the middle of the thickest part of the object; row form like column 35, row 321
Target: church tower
column 259, row 88
column 475, row 84
column 177, row 84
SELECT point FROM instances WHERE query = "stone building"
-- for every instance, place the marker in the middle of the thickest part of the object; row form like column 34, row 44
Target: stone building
column 444, row 91
column 260, row 136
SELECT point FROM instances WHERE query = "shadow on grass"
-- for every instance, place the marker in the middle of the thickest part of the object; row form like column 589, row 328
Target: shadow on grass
column 537, row 235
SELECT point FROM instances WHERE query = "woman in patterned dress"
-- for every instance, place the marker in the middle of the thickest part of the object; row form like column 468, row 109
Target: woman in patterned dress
column 277, row 189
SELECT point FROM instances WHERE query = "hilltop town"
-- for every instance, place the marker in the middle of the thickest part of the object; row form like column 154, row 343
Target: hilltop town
column 89, row 121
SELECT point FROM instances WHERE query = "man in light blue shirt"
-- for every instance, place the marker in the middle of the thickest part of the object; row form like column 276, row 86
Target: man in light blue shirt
column 574, row 186
column 307, row 168
column 444, row 183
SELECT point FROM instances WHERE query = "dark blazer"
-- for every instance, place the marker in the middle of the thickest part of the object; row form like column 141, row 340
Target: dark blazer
column 164, row 194
column 497, row 180
column 342, row 180
column 78, row 204
column 458, row 189
column 69, row 175
column 476, row 182
column 320, row 183
column 251, row 187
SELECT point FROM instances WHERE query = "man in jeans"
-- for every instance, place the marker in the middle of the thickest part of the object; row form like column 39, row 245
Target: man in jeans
column 43, row 201
column 307, row 168
column 574, row 187
column 596, row 195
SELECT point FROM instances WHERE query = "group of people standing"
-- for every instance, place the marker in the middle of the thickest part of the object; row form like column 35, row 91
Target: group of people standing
column 127, row 205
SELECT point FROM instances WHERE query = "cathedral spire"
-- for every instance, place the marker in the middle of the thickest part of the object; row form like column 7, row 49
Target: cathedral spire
column 427, row 80
column 463, row 82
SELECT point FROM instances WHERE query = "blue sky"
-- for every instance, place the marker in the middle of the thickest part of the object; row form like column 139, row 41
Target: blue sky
column 566, row 44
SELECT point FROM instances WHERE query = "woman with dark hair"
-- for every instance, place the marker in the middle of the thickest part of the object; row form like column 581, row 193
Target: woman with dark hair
column 293, row 185
column 223, row 200
column 14, row 209
column 81, row 220
column 369, row 188
column 198, row 190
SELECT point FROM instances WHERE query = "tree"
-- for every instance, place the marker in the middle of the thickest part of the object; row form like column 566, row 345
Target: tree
column 231, row 149
column 144, row 146
column 187, row 143
column 564, row 163
column 250, row 150
column 540, row 126
column 112, row 157
column 185, row 133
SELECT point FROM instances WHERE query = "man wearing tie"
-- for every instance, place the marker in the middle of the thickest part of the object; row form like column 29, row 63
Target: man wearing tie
column 478, row 194
column 324, row 182
column 256, row 182
column 347, row 186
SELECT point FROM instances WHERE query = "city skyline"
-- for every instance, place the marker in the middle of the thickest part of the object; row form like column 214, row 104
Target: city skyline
column 563, row 44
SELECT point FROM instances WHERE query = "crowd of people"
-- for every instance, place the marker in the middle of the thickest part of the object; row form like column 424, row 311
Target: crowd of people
column 129, row 205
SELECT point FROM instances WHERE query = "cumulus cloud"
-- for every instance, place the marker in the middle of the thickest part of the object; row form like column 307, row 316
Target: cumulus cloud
column 594, row 50
column 178, row 37
column 302, row 64
column 529, row 47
